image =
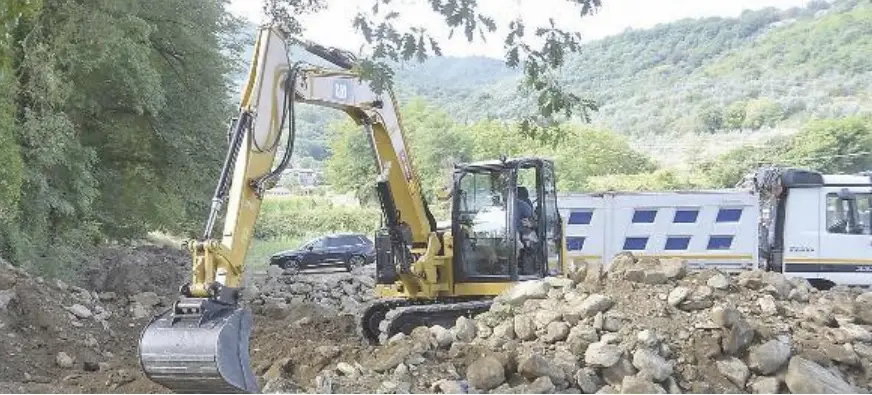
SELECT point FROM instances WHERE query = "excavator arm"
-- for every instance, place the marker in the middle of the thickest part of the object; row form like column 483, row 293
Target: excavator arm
column 200, row 344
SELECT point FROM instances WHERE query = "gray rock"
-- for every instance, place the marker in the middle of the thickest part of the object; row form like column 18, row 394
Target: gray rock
column 542, row 385
column 674, row 269
column 450, row 387
column 651, row 364
column 347, row 369
column 640, row 385
column 767, row 305
column 106, row 296
column 842, row 353
column 535, row 366
column 464, row 329
column 822, row 315
column 556, row 331
column 324, row 384
column 734, row 370
column 648, row 338
column 482, row 330
column 634, row 274
column 799, row 294
column 388, row 387
column 725, row 316
column 655, row 277
column 516, row 296
column 559, row 282
column 505, row 330
column 614, row 375
column 738, row 338
column 138, row 311
column 765, row 385
column 329, row 352
column 524, row 328
column 769, row 357
column 806, row 377
column 601, row 354
column 678, row 295
column 856, row 333
column 588, row 380
column 718, row 281
column 699, row 299
column 612, row 322
column 6, row 296
column 486, row 373
column 545, row 317
column 443, row 336
column 592, row 305
column 389, row 358
column 580, row 338
column 63, row 360
column 778, row 282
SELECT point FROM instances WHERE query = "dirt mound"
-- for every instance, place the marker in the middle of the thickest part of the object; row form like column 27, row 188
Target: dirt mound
column 63, row 338
column 128, row 271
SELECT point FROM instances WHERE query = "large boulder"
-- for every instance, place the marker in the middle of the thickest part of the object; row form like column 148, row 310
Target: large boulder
column 769, row 357
column 486, row 373
column 806, row 377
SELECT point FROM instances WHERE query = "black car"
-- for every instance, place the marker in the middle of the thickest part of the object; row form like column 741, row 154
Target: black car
column 343, row 249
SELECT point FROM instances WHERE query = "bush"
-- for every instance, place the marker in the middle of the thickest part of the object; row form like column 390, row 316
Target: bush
column 299, row 216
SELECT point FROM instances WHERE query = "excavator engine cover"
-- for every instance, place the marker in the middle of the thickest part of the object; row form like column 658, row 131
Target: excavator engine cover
column 199, row 346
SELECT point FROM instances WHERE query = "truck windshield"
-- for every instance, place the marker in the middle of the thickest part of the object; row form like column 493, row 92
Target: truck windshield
column 849, row 216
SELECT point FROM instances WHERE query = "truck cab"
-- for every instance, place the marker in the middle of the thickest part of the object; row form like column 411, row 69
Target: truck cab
column 822, row 228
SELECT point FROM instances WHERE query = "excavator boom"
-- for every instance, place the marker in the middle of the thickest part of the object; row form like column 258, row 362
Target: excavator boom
column 200, row 344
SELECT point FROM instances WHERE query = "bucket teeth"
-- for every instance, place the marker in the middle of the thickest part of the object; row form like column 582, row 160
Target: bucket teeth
column 199, row 346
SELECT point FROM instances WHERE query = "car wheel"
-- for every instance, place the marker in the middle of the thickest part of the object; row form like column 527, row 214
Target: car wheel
column 292, row 265
column 354, row 261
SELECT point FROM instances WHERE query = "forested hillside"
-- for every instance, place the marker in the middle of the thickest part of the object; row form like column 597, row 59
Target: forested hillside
column 767, row 69
column 112, row 121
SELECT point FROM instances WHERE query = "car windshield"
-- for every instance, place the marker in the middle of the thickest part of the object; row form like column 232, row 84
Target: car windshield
column 310, row 242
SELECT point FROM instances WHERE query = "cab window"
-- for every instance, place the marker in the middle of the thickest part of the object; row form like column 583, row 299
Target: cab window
column 849, row 216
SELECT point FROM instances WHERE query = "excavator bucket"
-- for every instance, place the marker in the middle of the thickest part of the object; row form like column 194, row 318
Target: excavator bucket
column 199, row 346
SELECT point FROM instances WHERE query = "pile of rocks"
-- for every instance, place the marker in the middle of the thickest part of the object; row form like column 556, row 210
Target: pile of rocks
column 342, row 291
column 643, row 326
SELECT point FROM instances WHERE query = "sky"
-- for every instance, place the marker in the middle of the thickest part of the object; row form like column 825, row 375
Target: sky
column 332, row 27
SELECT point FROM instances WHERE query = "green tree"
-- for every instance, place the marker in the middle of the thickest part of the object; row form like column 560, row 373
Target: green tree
column 711, row 120
column 735, row 115
column 762, row 112
column 832, row 146
column 118, row 117
column 594, row 152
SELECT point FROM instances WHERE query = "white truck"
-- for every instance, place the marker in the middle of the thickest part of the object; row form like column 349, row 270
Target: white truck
column 798, row 222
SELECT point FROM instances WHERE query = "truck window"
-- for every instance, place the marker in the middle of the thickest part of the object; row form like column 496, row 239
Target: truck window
column 849, row 216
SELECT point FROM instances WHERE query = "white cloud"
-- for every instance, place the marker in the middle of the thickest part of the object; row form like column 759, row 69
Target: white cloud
column 332, row 27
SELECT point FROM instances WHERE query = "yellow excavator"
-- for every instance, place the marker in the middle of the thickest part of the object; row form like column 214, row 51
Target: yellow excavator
column 505, row 226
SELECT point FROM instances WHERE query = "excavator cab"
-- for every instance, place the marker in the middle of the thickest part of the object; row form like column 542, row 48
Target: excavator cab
column 506, row 225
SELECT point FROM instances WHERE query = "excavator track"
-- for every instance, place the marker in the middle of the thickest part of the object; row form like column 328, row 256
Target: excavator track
column 385, row 318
